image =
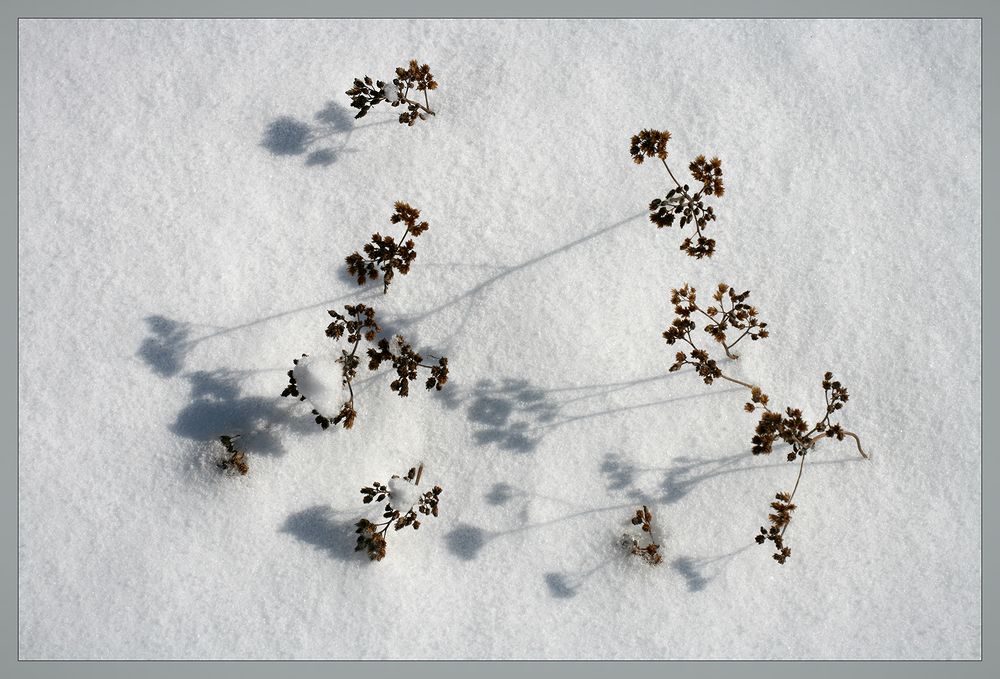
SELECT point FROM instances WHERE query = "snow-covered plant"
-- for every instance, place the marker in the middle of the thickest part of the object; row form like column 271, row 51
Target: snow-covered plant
column 789, row 425
column 359, row 324
column 367, row 93
column 403, row 504
column 650, row 552
column 679, row 202
column 236, row 460
column 383, row 254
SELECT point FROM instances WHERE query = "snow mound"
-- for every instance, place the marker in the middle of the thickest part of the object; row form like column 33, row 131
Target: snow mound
column 320, row 380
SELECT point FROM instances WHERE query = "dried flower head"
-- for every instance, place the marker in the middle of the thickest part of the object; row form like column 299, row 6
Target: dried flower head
column 649, row 144
column 383, row 255
column 236, row 460
column 650, row 552
column 398, row 512
column 680, row 204
column 359, row 324
column 367, row 93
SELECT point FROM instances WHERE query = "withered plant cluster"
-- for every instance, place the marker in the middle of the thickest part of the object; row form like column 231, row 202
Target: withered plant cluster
column 367, row 93
column 650, row 552
column 359, row 325
column 383, row 255
column 371, row 534
column 236, row 460
column 727, row 326
column 680, row 204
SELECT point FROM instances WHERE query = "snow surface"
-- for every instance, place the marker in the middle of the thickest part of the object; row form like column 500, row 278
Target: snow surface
column 189, row 190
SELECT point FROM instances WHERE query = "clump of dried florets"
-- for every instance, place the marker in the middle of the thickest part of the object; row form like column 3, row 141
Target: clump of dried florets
column 783, row 509
column 237, row 459
column 359, row 324
column 384, row 255
column 367, row 93
column 405, row 362
column 398, row 512
column 788, row 425
column 739, row 316
column 679, row 202
column 650, row 552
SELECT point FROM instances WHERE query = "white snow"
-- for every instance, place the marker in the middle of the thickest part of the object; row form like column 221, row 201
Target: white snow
column 188, row 190
column 320, row 380
column 404, row 494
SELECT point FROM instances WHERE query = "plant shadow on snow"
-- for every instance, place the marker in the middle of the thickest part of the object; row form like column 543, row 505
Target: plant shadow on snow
column 683, row 474
column 504, row 271
column 288, row 136
column 466, row 541
column 677, row 480
column 219, row 407
column 163, row 351
column 514, row 415
column 317, row 526
column 566, row 585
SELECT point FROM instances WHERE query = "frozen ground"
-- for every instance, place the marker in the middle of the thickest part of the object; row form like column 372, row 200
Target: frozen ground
column 189, row 189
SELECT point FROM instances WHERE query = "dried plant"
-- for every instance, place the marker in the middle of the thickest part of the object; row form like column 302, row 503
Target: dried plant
column 679, row 202
column 360, row 324
column 365, row 93
column 398, row 512
column 789, row 425
column 236, row 460
column 383, row 254
column 650, row 552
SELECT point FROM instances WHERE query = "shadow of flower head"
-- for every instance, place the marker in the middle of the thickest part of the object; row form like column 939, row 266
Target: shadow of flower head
column 559, row 587
column 465, row 541
column 286, row 136
column 315, row 526
column 164, row 350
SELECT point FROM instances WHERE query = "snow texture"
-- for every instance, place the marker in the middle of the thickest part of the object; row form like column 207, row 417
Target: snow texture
column 189, row 190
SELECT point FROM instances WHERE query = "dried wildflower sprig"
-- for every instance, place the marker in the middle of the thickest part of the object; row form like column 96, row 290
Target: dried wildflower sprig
column 236, row 460
column 721, row 320
column 360, row 324
column 371, row 535
column 650, row 552
column 679, row 201
column 791, row 428
column 783, row 508
column 789, row 425
column 384, row 255
column 405, row 361
column 365, row 93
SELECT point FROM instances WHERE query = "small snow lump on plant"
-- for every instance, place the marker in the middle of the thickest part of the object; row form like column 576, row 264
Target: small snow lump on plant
column 367, row 93
column 679, row 201
column 403, row 504
column 650, row 553
column 359, row 324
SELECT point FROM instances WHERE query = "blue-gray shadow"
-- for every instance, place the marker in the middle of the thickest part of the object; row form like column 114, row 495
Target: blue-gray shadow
column 318, row 527
column 218, row 407
column 289, row 136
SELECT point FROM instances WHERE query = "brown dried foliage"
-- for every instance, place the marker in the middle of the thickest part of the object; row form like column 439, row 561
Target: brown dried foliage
column 383, row 255
column 359, row 324
column 237, row 460
column 367, row 93
column 789, row 425
column 371, row 535
column 679, row 201
column 650, row 552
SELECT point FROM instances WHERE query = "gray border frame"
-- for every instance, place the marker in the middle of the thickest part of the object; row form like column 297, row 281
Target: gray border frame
column 985, row 10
